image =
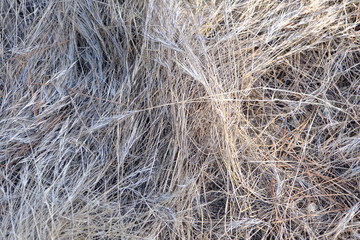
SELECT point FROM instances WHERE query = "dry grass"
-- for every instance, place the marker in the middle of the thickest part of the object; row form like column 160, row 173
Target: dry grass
column 178, row 119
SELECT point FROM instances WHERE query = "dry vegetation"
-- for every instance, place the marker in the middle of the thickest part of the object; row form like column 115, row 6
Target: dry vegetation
column 178, row 119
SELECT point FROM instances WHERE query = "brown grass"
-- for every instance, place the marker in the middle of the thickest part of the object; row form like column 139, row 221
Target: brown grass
column 179, row 119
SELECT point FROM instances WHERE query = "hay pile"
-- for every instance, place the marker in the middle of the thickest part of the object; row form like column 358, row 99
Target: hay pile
column 178, row 119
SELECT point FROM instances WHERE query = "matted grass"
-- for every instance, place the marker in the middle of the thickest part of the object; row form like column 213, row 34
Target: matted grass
column 177, row 119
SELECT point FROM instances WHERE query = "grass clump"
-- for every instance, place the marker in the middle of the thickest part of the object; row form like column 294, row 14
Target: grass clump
column 154, row 119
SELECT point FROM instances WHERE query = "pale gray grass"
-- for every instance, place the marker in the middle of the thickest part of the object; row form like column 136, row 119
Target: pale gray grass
column 186, row 119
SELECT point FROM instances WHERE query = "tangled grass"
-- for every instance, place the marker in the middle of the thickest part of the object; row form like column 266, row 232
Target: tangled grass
column 178, row 119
